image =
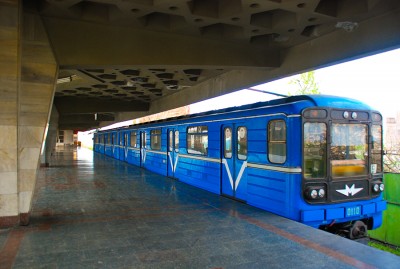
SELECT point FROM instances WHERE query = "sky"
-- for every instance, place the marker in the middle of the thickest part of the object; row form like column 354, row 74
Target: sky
column 373, row 80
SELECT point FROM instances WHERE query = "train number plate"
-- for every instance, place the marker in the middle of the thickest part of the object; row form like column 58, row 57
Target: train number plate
column 353, row 211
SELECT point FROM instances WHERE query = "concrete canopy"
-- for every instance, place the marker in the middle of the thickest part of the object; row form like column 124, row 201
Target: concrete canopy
column 149, row 56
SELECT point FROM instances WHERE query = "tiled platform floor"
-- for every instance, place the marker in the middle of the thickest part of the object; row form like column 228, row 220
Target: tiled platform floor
column 91, row 211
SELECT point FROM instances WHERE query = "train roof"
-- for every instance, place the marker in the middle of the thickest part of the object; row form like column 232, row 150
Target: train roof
column 301, row 100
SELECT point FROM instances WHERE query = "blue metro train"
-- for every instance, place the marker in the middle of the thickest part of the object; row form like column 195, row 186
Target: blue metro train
column 313, row 159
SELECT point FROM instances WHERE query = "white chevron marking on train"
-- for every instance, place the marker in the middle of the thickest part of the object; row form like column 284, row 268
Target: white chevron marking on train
column 239, row 177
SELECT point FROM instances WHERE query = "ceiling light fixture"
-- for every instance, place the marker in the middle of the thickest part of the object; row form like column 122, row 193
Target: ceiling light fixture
column 348, row 26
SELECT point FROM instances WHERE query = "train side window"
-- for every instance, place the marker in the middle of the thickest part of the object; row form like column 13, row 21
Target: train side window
column 376, row 151
column 134, row 139
column 121, row 139
column 170, row 141
column 176, row 141
column 143, row 140
column 277, row 141
column 197, row 140
column 228, row 143
column 314, row 150
column 242, row 143
column 155, row 139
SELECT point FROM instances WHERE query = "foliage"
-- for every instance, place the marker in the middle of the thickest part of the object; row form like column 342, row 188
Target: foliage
column 385, row 247
column 305, row 83
column 391, row 162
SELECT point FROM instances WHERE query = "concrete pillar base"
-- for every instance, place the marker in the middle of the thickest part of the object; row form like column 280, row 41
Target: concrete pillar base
column 8, row 222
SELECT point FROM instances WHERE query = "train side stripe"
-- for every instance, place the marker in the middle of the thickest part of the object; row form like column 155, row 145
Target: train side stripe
column 214, row 160
column 276, row 168
column 252, row 165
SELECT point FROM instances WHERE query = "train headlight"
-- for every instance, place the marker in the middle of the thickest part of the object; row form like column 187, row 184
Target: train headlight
column 314, row 194
column 354, row 115
column 376, row 187
column 321, row 193
column 381, row 187
column 346, row 115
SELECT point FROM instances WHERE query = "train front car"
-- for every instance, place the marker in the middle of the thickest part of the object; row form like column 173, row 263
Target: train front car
column 342, row 179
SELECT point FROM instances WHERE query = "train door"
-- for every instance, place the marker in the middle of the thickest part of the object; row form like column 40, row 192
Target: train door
column 173, row 150
column 234, row 161
column 122, row 145
column 142, row 148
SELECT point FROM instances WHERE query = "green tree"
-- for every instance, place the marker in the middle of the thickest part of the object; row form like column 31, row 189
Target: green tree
column 306, row 84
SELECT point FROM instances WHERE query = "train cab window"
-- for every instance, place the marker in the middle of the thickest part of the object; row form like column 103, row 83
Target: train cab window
column 349, row 149
column 133, row 139
column 376, row 151
column 155, row 139
column 228, row 143
column 314, row 150
column 197, row 140
column 176, row 141
column 242, row 143
column 277, row 141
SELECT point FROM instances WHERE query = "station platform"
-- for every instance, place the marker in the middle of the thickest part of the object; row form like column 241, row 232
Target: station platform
column 92, row 211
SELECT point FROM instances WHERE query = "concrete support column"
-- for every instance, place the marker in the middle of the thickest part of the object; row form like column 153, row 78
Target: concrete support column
column 51, row 138
column 28, row 72
column 10, row 53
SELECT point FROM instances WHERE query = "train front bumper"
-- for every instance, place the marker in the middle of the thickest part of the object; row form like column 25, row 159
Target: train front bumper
column 344, row 213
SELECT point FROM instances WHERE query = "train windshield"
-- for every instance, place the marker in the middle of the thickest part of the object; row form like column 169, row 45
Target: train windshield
column 349, row 149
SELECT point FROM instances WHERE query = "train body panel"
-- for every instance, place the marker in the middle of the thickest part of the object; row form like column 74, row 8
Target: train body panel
column 198, row 172
column 279, row 156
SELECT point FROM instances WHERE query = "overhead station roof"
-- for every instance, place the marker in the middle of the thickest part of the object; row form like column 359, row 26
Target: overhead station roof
column 149, row 56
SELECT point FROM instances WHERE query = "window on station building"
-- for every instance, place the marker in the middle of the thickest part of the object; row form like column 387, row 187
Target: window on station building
column 197, row 140
column 61, row 136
